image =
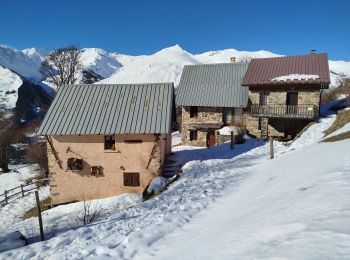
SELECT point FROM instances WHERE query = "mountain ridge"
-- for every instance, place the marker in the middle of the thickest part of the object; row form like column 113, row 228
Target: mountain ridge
column 164, row 65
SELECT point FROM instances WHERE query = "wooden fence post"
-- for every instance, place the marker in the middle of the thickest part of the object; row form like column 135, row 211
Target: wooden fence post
column 271, row 148
column 22, row 190
column 5, row 195
column 232, row 140
column 39, row 216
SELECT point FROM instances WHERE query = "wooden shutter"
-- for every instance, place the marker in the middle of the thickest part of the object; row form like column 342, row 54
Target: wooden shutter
column 135, row 179
column 131, row 179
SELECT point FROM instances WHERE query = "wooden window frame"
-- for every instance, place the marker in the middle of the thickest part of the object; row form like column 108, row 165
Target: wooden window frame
column 96, row 170
column 193, row 112
column 109, row 142
column 193, row 135
column 131, row 179
column 263, row 98
column 74, row 160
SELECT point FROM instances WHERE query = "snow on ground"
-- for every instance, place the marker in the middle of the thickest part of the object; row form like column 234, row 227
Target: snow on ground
column 226, row 130
column 13, row 212
column 18, row 175
column 239, row 205
column 345, row 128
column 64, row 217
column 9, row 84
column 175, row 138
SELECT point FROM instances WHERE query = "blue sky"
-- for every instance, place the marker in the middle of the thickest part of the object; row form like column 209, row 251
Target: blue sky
column 144, row 27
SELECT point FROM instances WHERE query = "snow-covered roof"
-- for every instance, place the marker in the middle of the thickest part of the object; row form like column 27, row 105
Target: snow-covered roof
column 296, row 77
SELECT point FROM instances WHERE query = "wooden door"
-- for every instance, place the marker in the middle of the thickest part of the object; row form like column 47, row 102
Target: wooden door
column 211, row 139
column 292, row 98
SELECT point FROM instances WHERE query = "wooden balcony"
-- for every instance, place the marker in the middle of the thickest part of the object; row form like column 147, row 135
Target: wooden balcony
column 284, row 111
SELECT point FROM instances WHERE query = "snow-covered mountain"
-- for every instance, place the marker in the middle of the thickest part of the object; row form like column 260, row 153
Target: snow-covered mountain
column 9, row 84
column 163, row 66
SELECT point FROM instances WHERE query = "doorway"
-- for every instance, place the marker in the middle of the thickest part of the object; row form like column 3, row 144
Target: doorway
column 211, row 139
column 292, row 99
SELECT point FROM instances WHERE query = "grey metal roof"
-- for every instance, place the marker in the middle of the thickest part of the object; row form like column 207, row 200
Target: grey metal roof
column 213, row 85
column 110, row 109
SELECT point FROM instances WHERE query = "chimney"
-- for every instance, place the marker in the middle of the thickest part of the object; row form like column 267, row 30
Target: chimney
column 233, row 60
column 312, row 51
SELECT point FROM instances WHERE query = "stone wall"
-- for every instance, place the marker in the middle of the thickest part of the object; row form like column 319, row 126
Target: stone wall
column 276, row 129
column 205, row 115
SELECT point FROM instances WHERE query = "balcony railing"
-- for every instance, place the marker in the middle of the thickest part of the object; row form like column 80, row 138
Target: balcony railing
column 285, row 111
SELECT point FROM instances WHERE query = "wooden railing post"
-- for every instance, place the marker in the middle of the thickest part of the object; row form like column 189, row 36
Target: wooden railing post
column 5, row 195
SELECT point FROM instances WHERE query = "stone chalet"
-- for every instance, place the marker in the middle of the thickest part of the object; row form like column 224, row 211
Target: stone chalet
column 105, row 140
column 285, row 93
column 211, row 96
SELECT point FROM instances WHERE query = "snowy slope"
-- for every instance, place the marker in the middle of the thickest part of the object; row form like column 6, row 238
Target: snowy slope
column 225, row 55
column 9, row 84
column 243, row 206
column 166, row 65
column 337, row 68
column 163, row 66
column 99, row 61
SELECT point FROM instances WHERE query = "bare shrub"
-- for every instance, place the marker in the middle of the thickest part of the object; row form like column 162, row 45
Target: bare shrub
column 9, row 134
column 88, row 212
column 37, row 153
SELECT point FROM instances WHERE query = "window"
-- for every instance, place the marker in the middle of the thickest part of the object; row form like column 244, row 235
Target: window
column 233, row 115
column 193, row 135
column 228, row 115
column 96, row 170
column 193, row 112
column 263, row 98
column 132, row 179
column 238, row 113
column 74, row 164
column 109, row 142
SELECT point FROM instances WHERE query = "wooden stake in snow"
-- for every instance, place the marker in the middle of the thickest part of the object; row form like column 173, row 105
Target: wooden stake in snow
column 271, row 148
column 232, row 140
column 39, row 216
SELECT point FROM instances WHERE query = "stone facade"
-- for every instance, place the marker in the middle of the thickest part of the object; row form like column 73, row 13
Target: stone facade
column 276, row 127
column 67, row 185
column 206, row 116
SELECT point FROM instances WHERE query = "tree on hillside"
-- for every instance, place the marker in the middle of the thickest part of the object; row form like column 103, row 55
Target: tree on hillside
column 9, row 134
column 62, row 66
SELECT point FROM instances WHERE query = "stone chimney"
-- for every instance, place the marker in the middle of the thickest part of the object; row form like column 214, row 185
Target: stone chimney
column 233, row 60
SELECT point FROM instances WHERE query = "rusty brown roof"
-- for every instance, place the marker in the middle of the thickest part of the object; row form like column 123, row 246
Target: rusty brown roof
column 270, row 71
